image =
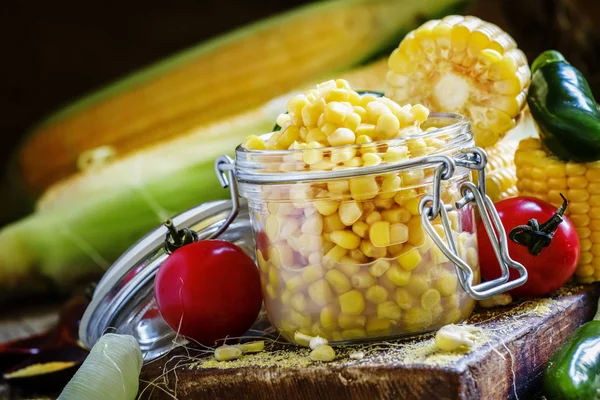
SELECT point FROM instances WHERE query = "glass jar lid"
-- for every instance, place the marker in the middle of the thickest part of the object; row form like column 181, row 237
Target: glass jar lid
column 123, row 301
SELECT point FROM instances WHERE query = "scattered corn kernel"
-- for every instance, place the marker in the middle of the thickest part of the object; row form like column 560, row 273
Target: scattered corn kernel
column 227, row 353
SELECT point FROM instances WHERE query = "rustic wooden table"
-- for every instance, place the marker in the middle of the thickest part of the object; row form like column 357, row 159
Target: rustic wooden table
column 506, row 363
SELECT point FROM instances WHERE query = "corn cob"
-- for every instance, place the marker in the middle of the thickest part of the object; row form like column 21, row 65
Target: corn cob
column 222, row 77
column 541, row 175
column 464, row 65
column 82, row 224
column 500, row 173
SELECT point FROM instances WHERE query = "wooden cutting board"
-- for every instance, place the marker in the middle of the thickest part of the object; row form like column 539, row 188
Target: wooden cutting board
column 507, row 362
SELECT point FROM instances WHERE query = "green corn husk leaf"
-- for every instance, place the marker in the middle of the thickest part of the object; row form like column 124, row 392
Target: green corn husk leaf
column 84, row 225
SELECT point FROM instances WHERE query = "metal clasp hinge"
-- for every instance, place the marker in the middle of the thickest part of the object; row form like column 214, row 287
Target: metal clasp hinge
column 225, row 170
column 431, row 206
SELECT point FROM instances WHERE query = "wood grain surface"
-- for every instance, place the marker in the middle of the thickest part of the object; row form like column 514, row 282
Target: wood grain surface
column 507, row 362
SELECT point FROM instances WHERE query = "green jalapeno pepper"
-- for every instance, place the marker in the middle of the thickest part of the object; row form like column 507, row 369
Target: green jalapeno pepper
column 573, row 371
column 563, row 108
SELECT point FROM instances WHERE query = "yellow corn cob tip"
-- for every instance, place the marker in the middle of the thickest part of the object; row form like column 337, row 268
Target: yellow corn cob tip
column 465, row 65
column 541, row 175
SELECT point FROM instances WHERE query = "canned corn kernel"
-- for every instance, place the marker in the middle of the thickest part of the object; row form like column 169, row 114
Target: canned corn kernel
column 347, row 258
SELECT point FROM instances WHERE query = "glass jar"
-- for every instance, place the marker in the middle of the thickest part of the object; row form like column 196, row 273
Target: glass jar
column 357, row 253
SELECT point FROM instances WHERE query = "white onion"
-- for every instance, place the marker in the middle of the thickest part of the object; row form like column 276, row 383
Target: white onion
column 110, row 372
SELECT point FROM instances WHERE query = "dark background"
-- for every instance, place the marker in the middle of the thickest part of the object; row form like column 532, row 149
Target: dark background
column 54, row 52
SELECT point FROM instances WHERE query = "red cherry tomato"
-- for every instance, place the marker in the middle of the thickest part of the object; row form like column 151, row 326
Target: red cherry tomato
column 208, row 290
column 554, row 264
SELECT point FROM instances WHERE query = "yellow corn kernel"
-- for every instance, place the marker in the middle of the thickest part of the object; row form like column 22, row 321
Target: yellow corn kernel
column 394, row 250
column 379, row 233
column 273, row 276
column 271, row 292
column 378, row 326
column 419, row 113
column 298, row 302
column 367, row 248
column 379, row 267
column 320, row 292
column 580, row 220
column 412, row 205
column 353, row 334
column 417, row 319
column 334, row 255
column 342, row 155
column 583, row 271
column 446, row 284
column 253, row 142
column 328, row 318
column 369, row 131
column 396, row 154
column 416, row 236
column 326, row 207
column 376, row 294
column 393, row 216
column 341, row 137
column 281, row 255
column 368, row 207
column 585, row 257
column 578, row 208
column 289, row 227
column 577, row 182
column 413, row 177
column 335, row 113
column 313, row 225
column 430, row 299
column 272, row 227
column 426, row 245
column 399, row 276
column 374, row 110
column 286, row 297
column 361, row 229
column 315, row 135
column 350, row 212
column 586, row 245
column 312, row 273
column 352, row 302
column 262, row 263
column 302, row 321
column 398, row 233
column 387, row 125
column 403, row 298
column 409, row 260
column 345, row 239
column 362, row 280
column 295, row 283
column 363, row 188
column 338, row 281
column 389, row 187
column 575, row 169
column 389, row 310
column 352, row 121
column 371, row 159
column 357, row 255
column 311, row 154
column 332, row 223
column 372, row 217
column 418, row 284
column 348, row 266
column 351, row 321
column 437, row 256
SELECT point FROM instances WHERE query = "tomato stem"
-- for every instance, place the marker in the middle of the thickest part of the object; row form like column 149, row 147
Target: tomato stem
column 536, row 236
column 177, row 238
